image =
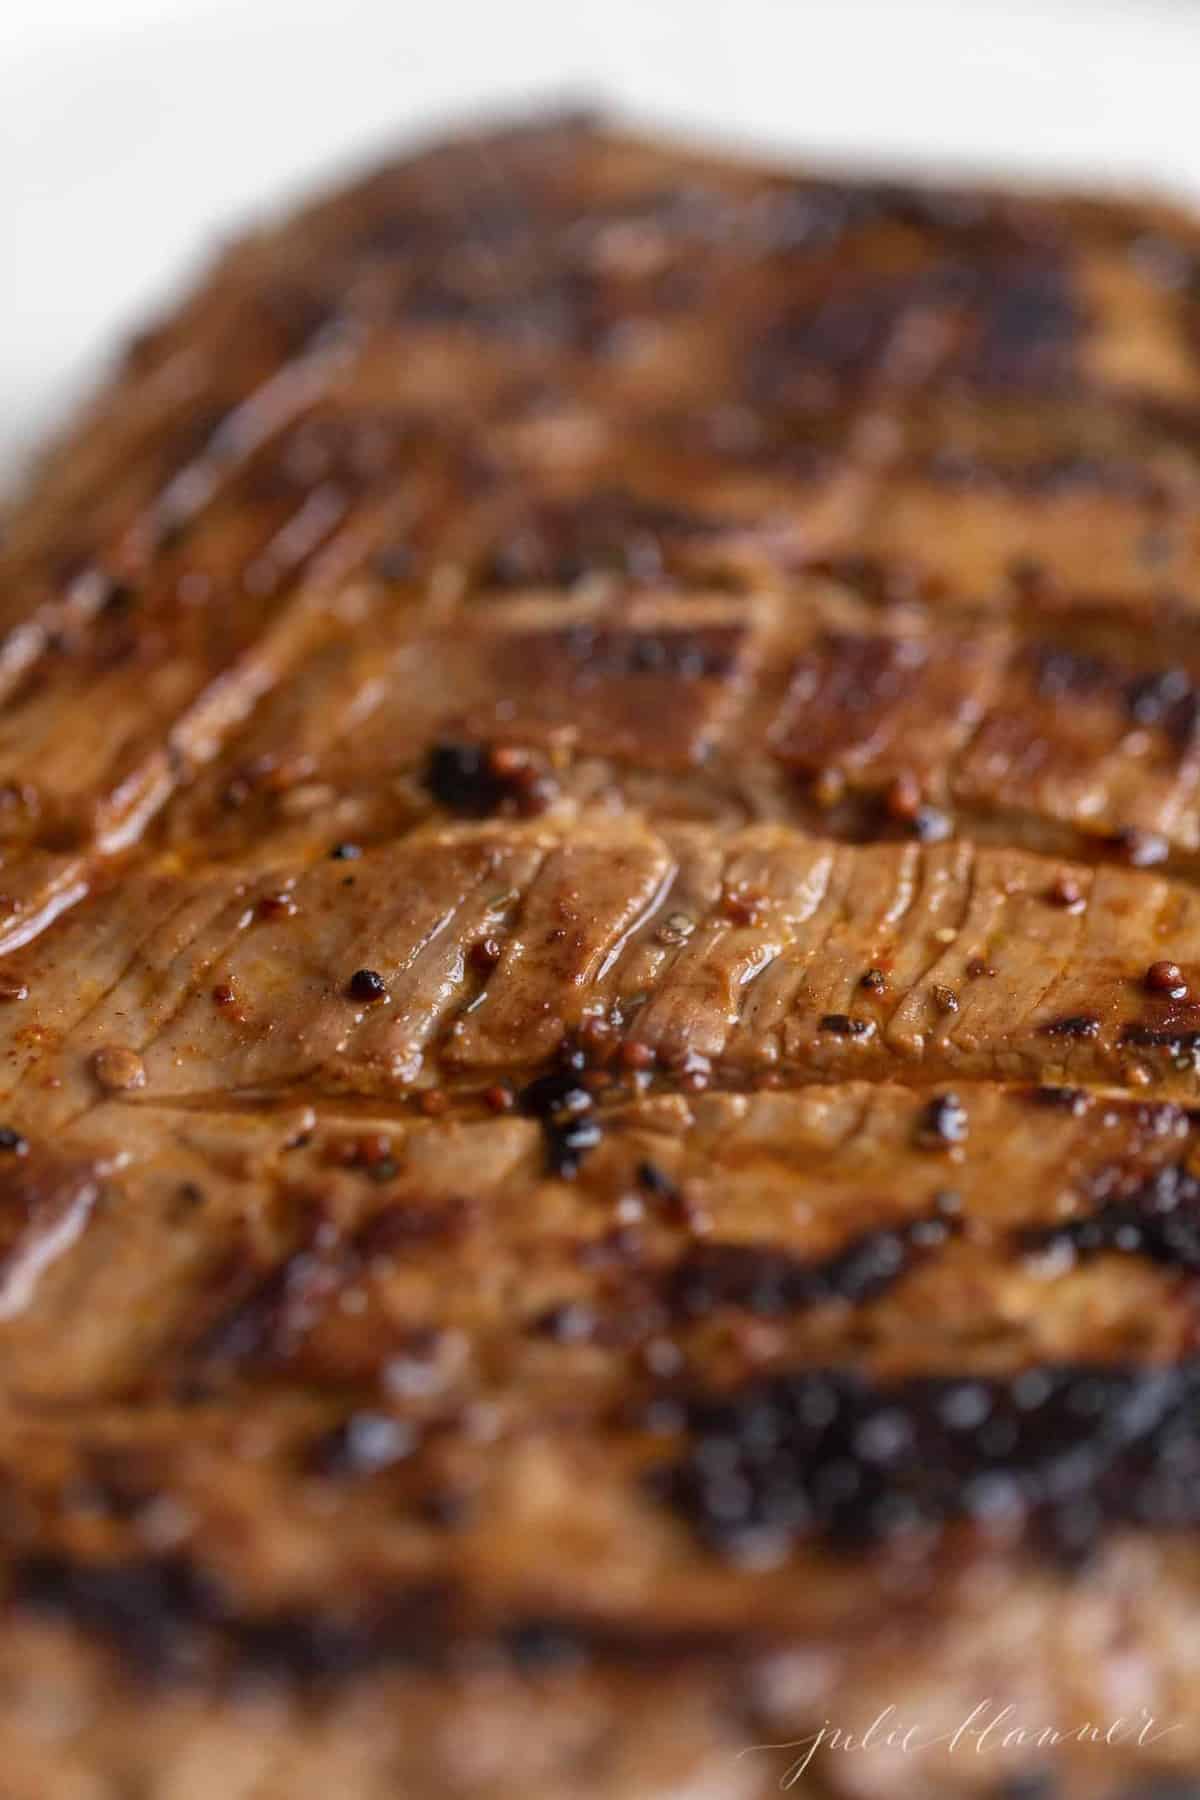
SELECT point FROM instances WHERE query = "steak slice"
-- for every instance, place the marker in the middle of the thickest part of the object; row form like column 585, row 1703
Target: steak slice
column 600, row 1002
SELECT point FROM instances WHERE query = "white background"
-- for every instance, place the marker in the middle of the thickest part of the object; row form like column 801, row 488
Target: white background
column 133, row 132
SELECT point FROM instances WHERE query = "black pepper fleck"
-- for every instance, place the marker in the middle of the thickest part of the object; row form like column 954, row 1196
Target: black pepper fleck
column 1075, row 1025
column 367, row 985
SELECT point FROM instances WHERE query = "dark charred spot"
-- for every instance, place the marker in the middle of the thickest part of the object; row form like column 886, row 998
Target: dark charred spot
column 169, row 1618
column 256, row 1311
column 874, row 980
column 1028, row 325
column 842, row 1025
column 1062, row 1453
column 821, row 348
column 12, row 1142
column 810, row 213
column 601, row 654
column 655, row 1183
column 363, row 1444
column 1060, row 673
column 478, row 779
column 1174, row 1039
column 459, row 776
column 1158, row 1219
column 560, row 309
column 762, row 1279
column 147, row 1609
column 1167, row 701
column 668, row 1199
column 563, row 1104
column 1073, row 1025
column 485, row 953
column 943, row 1123
column 610, row 532
column 1063, row 1099
column 346, row 852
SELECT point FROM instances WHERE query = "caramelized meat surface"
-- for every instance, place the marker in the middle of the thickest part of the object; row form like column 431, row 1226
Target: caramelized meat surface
column 600, row 1002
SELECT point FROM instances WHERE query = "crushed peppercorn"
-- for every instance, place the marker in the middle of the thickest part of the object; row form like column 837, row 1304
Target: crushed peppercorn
column 367, row 985
column 1166, row 978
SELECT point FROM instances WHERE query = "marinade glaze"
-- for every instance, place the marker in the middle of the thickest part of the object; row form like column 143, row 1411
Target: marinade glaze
column 600, row 996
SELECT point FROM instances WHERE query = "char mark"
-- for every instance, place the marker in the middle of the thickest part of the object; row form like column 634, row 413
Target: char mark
column 1159, row 1220
column 761, row 1279
column 1062, row 1454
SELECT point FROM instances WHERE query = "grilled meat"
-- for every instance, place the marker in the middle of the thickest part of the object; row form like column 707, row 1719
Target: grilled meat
column 600, row 1003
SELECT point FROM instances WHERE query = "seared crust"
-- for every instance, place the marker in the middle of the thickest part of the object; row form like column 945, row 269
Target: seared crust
column 600, row 1001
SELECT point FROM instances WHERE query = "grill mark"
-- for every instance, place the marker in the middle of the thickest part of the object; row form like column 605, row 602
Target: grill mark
column 1061, row 1454
column 265, row 414
column 284, row 638
column 174, row 1624
column 321, row 1646
column 1041, row 477
column 245, row 429
column 1005, row 828
column 762, row 1279
column 1157, row 1219
column 1000, row 818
